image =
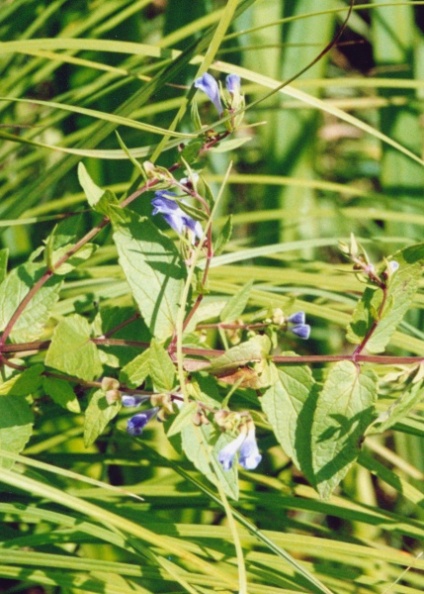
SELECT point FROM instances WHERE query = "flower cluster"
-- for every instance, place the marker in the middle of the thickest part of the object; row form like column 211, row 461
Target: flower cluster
column 164, row 203
column 210, row 87
column 137, row 422
column 228, row 101
column 297, row 325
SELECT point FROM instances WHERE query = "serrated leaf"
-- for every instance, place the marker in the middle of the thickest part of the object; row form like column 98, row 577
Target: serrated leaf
column 62, row 393
column 91, row 190
column 196, row 444
column 31, row 323
column 72, row 351
column 343, row 411
column 97, row 415
column 154, row 271
column 135, row 372
column 236, row 305
column 399, row 409
column 23, row 384
column 162, row 370
column 16, row 420
column 183, row 418
column 283, row 403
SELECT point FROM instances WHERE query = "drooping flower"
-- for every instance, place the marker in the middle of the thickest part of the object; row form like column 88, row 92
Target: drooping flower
column 302, row 331
column 249, row 456
column 174, row 215
column 245, row 443
column 208, row 85
column 136, row 423
column 226, row 455
column 131, row 400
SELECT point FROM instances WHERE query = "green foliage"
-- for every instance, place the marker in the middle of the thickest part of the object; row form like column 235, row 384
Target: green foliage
column 154, row 272
column 270, row 384
column 72, row 351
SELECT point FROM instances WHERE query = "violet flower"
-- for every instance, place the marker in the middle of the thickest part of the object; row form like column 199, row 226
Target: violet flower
column 302, row 331
column 297, row 318
column 299, row 327
column 136, row 423
column 208, row 85
column 130, row 400
column 174, row 215
column 232, row 82
column 245, row 442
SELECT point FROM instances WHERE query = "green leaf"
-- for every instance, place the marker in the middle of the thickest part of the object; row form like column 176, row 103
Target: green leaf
column 183, row 418
column 85, row 252
column 154, row 271
column 16, row 420
column 61, row 241
column 97, row 415
column 399, row 409
column 401, row 291
column 254, row 350
column 190, row 152
column 343, row 411
column 62, row 393
column 283, row 403
column 135, row 372
column 230, row 145
column 91, row 190
column 380, row 312
column 23, row 384
column 109, row 206
column 162, row 370
column 224, row 236
column 236, row 305
column 364, row 315
column 72, row 351
column 31, row 323
column 196, row 444
column 4, row 256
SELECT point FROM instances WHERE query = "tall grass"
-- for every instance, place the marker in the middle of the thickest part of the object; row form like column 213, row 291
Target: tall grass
column 337, row 152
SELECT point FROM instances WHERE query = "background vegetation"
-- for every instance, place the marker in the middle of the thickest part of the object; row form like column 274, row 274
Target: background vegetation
column 336, row 152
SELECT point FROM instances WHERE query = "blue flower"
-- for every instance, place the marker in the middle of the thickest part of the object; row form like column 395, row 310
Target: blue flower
column 297, row 318
column 232, row 82
column 208, row 85
column 302, row 331
column 174, row 215
column 299, row 327
column 136, row 423
column 129, row 400
column 249, row 456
